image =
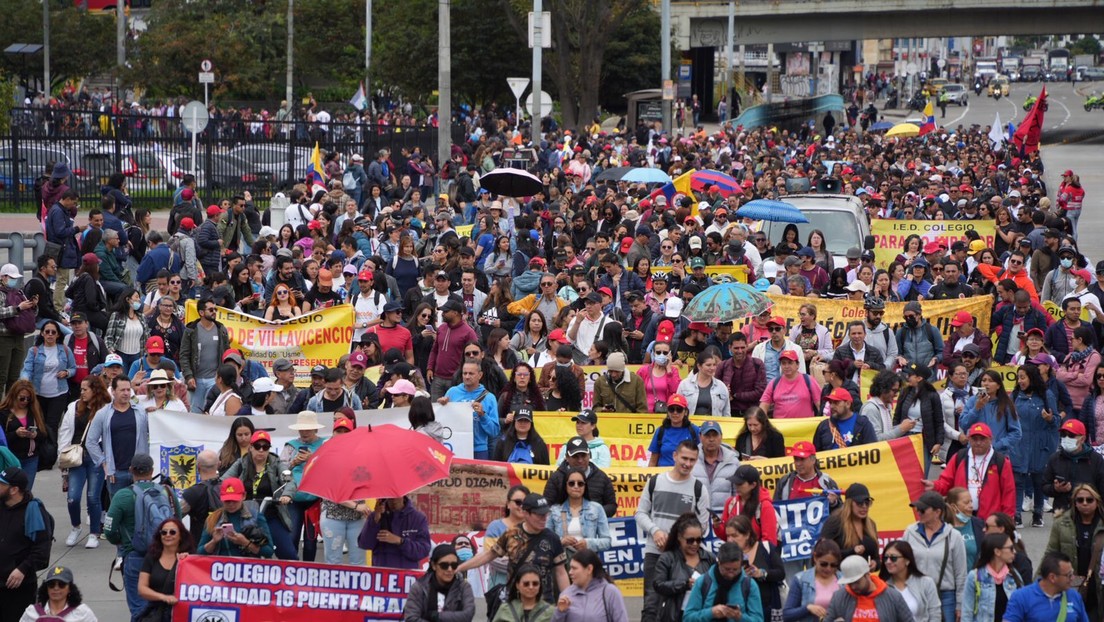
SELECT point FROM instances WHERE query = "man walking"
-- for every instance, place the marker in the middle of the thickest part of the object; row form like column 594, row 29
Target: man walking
column 25, row 545
column 201, row 348
column 445, row 358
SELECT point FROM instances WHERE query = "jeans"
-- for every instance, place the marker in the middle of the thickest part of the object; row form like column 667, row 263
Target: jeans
column 30, row 466
column 12, row 353
column 650, row 596
column 88, row 474
column 1029, row 483
column 437, row 387
column 281, row 538
column 947, row 600
column 339, row 533
column 1074, row 215
column 199, row 397
column 132, row 565
column 300, row 528
column 122, row 480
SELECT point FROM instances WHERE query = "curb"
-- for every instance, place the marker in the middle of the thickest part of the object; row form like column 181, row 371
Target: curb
column 1077, row 139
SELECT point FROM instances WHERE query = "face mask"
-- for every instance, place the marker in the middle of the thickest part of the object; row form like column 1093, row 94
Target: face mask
column 1066, row 263
column 137, row 306
column 962, row 518
column 464, row 554
column 1069, row 444
column 912, row 322
column 661, row 359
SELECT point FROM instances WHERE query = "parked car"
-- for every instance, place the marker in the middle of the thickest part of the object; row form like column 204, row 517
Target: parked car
column 956, row 94
column 274, row 159
column 33, row 160
column 228, row 172
column 1092, row 74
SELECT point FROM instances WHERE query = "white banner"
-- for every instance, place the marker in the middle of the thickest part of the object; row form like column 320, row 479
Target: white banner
column 176, row 438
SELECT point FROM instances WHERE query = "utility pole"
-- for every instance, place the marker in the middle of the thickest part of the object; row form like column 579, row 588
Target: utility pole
column 120, row 34
column 368, row 52
column 288, row 93
column 45, row 47
column 665, row 55
column 444, row 82
column 538, row 58
column 728, row 60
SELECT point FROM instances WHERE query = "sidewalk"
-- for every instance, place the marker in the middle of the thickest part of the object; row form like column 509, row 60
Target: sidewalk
column 28, row 224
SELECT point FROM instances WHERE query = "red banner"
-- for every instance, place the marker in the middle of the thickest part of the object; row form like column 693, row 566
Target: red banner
column 235, row 589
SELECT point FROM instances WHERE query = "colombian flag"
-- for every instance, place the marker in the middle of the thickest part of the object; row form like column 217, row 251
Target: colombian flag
column 671, row 189
column 316, row 177
column 929, row 119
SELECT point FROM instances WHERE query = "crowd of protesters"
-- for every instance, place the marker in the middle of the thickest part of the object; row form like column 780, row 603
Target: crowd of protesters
column 507, row 314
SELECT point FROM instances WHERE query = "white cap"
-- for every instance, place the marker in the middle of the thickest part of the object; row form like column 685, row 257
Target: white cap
column 704, row 205
column 857, row 286
column 266, row 231
column 770, row 270
column 265, row 384
column 672, row 308
column 695, row 242
column 10, row 271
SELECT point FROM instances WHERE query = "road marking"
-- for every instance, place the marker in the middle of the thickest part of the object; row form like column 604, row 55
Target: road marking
column 1015, row 108
column 965, row 111
column 1064, row 107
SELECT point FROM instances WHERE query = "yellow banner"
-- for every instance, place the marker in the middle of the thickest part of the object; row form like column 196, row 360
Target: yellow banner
column 837, row 314
column 890, row 235
column 464, row 231
column 719, row 274
column 1055, row 311
column 939, row 380
column 629, row 435
column 316, row 338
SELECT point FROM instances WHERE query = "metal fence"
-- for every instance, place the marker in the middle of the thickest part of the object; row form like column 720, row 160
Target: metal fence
column 154, row 153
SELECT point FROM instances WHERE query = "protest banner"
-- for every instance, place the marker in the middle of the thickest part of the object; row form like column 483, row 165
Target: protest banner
column 628, row 435
column 799, row 525
column 475, row 494
column 835, row 315
column 1055, row 311
column 719, row 274
column 176, row 438
column 317, row 338
column 464, row 231
column 224, row 589
column 939, row 379
column 890, row 235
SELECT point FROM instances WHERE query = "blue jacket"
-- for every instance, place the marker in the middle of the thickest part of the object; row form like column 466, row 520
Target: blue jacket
column 111, row 221
column 699, row 607
column 1040, row 438
column 156, row 258
column 862, row 434
column 1030, row 604
column 979, row 598
column 1006, row 431
column 594, row 523
column 35, row 363
column 98, row 441
column 61, row 228
column 486, row 427
column 802, row 594
column 1004, row 318
column 629, row 282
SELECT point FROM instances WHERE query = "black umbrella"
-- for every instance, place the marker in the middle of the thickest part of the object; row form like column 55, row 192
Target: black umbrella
column 613, row 174
column 511, row 182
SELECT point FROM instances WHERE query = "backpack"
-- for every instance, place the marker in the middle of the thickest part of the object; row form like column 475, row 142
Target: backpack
column 23, row 322
column 659, row 439
column 697, row 489
column 522, row 453
column 47, row 519
column 175, row 252
column 45, row 616
column 151, row 507
column 707, row 582
column 808, row 388
column 349, row 181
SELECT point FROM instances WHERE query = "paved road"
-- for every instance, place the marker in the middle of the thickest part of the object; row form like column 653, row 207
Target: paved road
column 1066, row 120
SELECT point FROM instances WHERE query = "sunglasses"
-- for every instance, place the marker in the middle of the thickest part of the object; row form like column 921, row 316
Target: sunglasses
column 281, row 293
column 676, row 409
column 828, row 564
column 472, row 353
column 518, row 502
column 676, row 261
column 174, row 282
column 575, row 484
column 693, row 540
column 547, row 284
column 865, row 503
column 49, row 332
column 777, row 329
column 169, row 532
column 55, row 585
column 448, row 565
column 1085, row 500
column 262, row 446
column 661, row 351
column 1015, row 262
column 529, row 583
column 892, row 558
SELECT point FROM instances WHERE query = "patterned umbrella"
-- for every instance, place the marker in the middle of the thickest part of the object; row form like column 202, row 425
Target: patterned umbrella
column 726, row 184
column 774, row 211
column 725, row 303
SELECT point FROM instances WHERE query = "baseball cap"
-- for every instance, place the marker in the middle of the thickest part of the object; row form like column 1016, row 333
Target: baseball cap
column 1082, row 273
column 232, row 489
column 852, row 569
column 745, row 474
column 695, row 241
column 10, row 271
column 928, row 500
column 264, row 384
column 672, row 308
column 1073, row 426
column 701, row 327
column 917, row 369
column 858, row 493
column 213, row 211
column 524, row 413
column 934, row 247
column 113, row 359
column 803, row 449
column 282, row 365
column 710, row 426
column 576, row 445
column 402, row 386
column 980, row 429
column 155, row 345
column 962, row 317
column 141, row 463
column 777, row 321
column 976, row 246
column 536, row 504
column 857, row 286
column 559, row 336
column 807, row 251
column 626, row 244
column 586, row 415
column 452, row 305
column 839, row 394
column 343, row 423
column 187, row 224
column 697, row 262
column 359, row 359
column 90, row 259
column 605, row 291
column 972, row 350
column 392, row 306
column 677, row 399
column 15, row 476
column 593, row 297
column 234, row 356
column 318, row 370
column 78, row 317
column 852, row 253
column 789, row 355
column 60, row 574
column 325, row 277
column 260, row 435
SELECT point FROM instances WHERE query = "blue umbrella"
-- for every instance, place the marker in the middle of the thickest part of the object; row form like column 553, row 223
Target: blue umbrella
column 881, row 126
column 726, row 303
column 774, row 211
column 646, row 176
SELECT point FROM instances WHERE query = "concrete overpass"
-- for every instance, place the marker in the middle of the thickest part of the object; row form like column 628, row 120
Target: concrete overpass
column 700, row 24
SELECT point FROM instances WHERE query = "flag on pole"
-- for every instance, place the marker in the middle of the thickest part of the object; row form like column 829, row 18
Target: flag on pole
column 316, row 176
column 360, row 100
column 1030, row 131
column 996, row 132
column 671, row 189
column 929, row 119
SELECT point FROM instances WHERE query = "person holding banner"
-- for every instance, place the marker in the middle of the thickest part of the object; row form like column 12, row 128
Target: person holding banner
column 439, row 594
column 683, row 562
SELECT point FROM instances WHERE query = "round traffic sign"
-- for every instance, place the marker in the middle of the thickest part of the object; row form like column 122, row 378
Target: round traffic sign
column 205, row 65
column 194, row 117
column 941, row 63
column 546, row 105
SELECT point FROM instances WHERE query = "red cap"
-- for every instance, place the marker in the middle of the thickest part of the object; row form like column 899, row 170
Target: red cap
column 155, row 345
column 966, row 188
column 746, row 184
column 213, row 211
column 232, row 489
column 1083, row 274
column 665, row 332
column 1067, row 173
column 605, row 291
column 934, row 247
column 980, row 429
column 187, row 224
column 777, row 321
column 714, row 188
column 365, row 275
column 789, row 355
column 90, row 259
column 626, row 244
column 1073, row 426
column 840, row 394
column 260, row 435
column 1034, row 331
column 803, row 449
column 559, row 336
column 677, row 399
column 343, row 423
column 701, row 327
column 962, row 317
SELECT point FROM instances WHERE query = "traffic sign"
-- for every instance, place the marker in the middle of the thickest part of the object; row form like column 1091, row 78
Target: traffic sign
column 546, row 105
column 668, row 90
column 543, row 26
column 206, row 65
column 941, row 63
column 517, row 85
column 206, row 77
column 194, row 117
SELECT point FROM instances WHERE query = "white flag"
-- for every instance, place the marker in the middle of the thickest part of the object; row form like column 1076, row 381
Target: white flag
column 996, row 133
column 360, row 100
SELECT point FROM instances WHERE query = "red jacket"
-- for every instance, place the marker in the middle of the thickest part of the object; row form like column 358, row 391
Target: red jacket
column 765, row 523
column 998, row 488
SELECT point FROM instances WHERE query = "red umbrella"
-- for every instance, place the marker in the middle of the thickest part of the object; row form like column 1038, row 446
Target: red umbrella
column 375, row 462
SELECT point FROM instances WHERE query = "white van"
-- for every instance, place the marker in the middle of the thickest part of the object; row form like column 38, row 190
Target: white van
column 842, row 219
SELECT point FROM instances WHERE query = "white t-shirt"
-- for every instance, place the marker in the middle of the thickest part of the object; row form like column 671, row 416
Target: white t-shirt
column 368, row 307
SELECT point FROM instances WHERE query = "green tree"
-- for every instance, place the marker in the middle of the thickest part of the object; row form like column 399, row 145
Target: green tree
column 1085, row 45
column 632, row 59
column 82, row 44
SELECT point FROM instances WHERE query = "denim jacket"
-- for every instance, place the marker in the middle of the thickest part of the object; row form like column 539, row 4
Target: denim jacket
column 35, row 364
column 802, row 594
column 594, row 523
column 979, row 598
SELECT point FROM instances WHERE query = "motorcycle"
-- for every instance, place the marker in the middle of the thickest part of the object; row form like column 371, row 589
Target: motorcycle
column 1030, row 101
column 996, row 94
column 1095, row 100
column 917, row 102
column 977, row 87
column 892, row 100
